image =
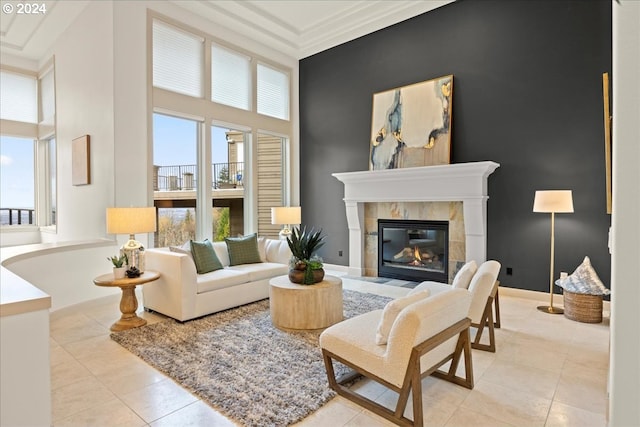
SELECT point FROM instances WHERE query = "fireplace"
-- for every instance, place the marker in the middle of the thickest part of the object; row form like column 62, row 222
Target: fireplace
column 413, row 250
column 459, row 182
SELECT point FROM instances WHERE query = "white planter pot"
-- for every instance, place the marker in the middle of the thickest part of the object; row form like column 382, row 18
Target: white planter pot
column 119, row 272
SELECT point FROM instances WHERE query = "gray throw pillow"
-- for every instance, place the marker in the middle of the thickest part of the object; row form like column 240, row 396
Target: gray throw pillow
column 243, row 250
column 205, row 257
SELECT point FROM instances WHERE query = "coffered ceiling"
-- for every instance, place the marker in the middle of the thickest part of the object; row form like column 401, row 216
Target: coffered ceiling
column 298, row 28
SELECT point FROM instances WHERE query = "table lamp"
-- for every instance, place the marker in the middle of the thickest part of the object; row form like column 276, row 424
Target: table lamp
column 552, row 201
column 286, row 216
column 132, row 221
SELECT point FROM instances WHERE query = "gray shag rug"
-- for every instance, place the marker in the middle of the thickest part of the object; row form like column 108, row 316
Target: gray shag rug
column 243, row 366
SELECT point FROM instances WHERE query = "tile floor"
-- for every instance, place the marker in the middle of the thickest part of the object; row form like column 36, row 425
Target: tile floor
column 547, row 371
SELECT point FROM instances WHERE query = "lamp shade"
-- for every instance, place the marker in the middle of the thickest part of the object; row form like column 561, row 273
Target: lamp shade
column 286, row 215
column 131, row 220
column 557, row 201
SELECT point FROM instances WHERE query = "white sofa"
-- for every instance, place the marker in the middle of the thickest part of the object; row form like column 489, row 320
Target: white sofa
column 183, row 294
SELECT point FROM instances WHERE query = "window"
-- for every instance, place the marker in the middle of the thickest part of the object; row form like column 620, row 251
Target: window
column 177, row 60
column 271, row 181
column 17, row 175
column 47, row 98
column 230, row 78
column 273, row 92
column 175, row 176
column 51, row 182
column 18, row 97
column 244, row 95
column 28, row 160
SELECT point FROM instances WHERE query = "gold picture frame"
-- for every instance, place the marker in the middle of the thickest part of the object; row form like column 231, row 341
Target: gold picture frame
column 411, row 125
column 80, row 161
column 607, row 139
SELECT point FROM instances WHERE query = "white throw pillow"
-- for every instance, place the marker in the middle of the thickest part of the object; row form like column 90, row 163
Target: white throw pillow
column 391, row 311
column 584, row 280
column 464, row 276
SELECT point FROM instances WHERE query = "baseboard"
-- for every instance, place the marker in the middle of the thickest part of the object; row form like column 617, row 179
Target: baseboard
column 336, row 267
column 541, row 296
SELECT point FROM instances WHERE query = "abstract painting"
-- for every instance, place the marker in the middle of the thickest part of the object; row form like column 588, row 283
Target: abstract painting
column 411, row 125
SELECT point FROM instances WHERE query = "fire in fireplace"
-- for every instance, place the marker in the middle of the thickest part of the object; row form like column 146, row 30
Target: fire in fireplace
column 413, row 250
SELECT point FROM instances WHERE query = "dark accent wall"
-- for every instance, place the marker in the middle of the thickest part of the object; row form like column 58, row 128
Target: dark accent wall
column 527, row 93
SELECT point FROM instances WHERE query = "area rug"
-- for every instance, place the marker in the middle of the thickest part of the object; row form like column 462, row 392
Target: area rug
column 243, row 366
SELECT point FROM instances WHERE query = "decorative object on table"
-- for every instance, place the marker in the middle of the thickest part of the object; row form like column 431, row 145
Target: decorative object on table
column 119, row 268
column 552, row 201
column 133, row 272
column 411, row 125
column 305, row 267
column 583, row 292
column 80, row 161
column 132, row 221
column 232, row 359
column 286, row 216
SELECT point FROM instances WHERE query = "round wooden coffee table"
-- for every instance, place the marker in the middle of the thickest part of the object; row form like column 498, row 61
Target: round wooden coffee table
column 296, row 306
column 128, row 302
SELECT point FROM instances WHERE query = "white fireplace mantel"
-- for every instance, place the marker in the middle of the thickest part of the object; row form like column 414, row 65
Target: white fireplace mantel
column 465, row 182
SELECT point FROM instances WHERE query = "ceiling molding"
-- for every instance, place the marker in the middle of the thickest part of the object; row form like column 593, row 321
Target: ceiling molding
column 294, row 27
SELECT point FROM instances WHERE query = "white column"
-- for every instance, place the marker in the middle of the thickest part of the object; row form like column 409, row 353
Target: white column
column 355, row 222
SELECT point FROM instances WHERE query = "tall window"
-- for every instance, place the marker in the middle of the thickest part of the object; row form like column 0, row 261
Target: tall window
column 175, row 176
column 27, row 122
column 17, row 195
column 195, row 75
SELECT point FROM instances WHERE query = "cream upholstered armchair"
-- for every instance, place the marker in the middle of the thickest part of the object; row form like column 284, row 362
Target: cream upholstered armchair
column 482, row 284
column 425, row 335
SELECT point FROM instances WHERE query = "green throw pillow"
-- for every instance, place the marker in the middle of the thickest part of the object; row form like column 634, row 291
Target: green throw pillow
column 205, row 257
column 243, row 250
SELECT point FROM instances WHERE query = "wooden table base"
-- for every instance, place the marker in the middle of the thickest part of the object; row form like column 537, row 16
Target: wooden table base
column 128, row 307
column 128, row 301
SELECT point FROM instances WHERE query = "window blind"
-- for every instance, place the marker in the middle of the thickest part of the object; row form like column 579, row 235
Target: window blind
column 273, row 92
column 178, row 60
column 47, row 97
column 18, row 97
column 230, row 78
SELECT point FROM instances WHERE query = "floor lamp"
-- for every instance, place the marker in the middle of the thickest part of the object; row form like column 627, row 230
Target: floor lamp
column 553, row 202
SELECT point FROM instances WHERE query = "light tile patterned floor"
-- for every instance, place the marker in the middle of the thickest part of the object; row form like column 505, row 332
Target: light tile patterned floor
column 547, row 371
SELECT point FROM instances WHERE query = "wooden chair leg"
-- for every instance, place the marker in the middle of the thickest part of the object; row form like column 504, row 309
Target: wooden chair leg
column 487, row 321
column 496, row 303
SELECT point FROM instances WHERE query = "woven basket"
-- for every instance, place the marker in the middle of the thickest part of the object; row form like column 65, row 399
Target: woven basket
column 582, row 307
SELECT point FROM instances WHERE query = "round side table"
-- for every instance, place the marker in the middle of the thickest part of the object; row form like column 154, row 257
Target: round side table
column 316, row 306
column 128, row 302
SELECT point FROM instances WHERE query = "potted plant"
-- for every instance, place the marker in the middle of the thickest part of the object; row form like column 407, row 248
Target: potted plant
column 119, row 265
column 305, row 267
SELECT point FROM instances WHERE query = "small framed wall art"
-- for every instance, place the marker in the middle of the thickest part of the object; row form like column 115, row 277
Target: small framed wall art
column 80, row 161
column 411, row 125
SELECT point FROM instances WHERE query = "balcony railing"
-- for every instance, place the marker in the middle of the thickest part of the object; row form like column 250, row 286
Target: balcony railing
column 16, row 216
column 185, row 177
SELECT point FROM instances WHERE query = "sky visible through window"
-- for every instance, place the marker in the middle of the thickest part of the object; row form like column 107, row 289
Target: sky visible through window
column 170, row 132
column 17, row 157
column 16, row 173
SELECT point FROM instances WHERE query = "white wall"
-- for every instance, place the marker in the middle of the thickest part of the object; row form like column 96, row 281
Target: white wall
column 85, row 106
column 625, row 291
column 66, row 274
